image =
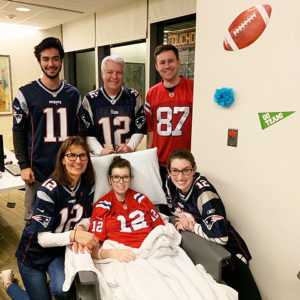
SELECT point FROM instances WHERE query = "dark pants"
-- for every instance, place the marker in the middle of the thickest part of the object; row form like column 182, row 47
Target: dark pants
column 237, row 275
column 163, row 208
column 163, row 175
column 35, row 282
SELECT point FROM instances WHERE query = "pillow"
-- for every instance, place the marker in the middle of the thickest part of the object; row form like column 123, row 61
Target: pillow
column 145, row 170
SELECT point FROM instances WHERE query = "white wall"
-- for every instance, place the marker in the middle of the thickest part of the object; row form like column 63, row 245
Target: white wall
column 135, row 53
column 24, row 67
column 257, row 180
column 79, row 34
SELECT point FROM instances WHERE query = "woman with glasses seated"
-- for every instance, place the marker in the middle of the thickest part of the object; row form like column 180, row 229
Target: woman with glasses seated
column 122, row 215
column 61, row 202
column 199, row 209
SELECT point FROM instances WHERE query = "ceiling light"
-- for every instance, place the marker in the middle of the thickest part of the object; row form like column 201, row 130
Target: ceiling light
column 23, row 9
column 17, row 26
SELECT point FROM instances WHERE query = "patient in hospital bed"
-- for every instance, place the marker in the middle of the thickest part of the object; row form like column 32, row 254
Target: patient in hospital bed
column 138, row 256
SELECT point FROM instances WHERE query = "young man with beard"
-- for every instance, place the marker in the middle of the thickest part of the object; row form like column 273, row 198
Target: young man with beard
column 45, row 114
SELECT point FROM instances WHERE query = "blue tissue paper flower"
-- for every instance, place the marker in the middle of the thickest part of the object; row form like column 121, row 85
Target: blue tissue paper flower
column 224, row 97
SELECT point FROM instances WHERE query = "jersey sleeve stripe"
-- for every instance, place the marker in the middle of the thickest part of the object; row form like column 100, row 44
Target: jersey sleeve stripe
column 104, row 204
column 139, row 197
column 92, row 190
column 204, row 198
column 147, row 107
column 218, row 240
column 22, row 102
column 43, row 196
column 86, row 105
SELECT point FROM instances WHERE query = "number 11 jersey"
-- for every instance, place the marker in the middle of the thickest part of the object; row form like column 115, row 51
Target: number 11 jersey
column 46, row 118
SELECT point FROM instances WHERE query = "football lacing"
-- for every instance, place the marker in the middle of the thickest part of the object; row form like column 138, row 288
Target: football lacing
column 244, row 24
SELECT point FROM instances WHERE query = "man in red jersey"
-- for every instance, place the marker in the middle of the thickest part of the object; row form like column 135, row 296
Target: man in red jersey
column 169, row 107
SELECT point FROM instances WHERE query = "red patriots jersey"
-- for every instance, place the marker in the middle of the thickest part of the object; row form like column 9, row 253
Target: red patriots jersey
column 169, row 116
column 127, row 222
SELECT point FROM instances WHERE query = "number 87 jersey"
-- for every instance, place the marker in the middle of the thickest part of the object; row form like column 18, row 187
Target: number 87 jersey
column 169, row 117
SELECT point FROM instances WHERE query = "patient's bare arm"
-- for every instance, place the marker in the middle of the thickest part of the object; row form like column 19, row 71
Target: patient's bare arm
column 122, row 255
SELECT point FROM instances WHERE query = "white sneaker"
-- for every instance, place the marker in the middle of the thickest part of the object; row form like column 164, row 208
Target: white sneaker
column 7, row 276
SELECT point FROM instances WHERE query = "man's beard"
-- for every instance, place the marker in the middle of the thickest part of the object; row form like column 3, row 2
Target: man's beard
column 51, row 76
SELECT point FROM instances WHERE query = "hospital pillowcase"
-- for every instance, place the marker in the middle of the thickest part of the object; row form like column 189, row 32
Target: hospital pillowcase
column 145, row 169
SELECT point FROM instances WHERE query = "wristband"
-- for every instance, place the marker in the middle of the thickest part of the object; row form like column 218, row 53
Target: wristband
column 74, row 235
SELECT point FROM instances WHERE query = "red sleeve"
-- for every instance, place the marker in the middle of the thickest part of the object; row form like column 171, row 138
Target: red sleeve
column 156, row 218
column 98, row 220
column 148, row 112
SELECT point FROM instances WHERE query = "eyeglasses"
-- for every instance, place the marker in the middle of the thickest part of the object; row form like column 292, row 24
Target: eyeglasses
column 117, row 178
column 72, row 156
column 185, row 171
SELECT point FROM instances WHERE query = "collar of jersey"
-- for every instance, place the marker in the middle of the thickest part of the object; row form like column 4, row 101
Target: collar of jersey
column 185, row 197
column 73, row 191
column 108, row 98
column 51, row 92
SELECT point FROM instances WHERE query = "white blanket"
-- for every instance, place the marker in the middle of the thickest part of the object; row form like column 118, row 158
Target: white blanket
column 161, row 270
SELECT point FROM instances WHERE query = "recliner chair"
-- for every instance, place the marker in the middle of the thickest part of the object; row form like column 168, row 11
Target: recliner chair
column 201, row 251
column 145, row 167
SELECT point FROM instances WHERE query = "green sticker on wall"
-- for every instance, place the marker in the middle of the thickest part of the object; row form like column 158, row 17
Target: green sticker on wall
column 270, row 118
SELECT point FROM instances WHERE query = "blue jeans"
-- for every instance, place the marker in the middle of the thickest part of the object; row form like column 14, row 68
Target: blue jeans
column 35, row 282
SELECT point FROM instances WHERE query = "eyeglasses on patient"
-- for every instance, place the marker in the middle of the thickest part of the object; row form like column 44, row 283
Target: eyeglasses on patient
column 117, row 178
column 72, row 156
column 185, row 171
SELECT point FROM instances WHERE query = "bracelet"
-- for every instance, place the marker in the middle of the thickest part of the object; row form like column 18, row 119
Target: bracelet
column 74, row 235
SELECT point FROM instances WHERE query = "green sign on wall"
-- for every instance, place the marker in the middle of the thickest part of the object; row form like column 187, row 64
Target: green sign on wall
column 269, row 118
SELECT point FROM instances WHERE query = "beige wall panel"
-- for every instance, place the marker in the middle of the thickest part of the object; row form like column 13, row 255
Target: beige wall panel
column 122, row 23
column 167, row 9
column 258, row 180
column 24, row 67
column 79, row 34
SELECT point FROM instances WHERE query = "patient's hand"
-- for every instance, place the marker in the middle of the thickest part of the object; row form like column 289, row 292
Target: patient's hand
column 122, row 255
column 184, row 223
column 83, row 241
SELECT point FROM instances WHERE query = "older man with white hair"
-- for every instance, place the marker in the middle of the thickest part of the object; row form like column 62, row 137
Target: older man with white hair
column 115, row 112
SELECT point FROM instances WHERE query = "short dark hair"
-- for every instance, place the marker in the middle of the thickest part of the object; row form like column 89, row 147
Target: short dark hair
column 60, row 174
column 181, row 154
column 162, row 48
column 119, row 162
column 49, row 42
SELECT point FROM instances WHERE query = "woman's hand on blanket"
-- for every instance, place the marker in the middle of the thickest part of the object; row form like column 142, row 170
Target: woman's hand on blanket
column 122, row 255
column 184, row 223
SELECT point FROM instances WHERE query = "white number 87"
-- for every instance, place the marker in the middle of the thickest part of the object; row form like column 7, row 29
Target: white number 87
column 165, row 126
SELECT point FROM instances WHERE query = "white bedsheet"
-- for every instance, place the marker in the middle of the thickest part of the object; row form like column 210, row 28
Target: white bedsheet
column 161, row 270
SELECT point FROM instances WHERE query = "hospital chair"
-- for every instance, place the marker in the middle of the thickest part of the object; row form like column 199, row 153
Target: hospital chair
column 147, row 180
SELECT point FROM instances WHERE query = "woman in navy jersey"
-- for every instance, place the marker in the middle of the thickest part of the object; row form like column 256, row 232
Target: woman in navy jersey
column 199, row 209
column 63, row 201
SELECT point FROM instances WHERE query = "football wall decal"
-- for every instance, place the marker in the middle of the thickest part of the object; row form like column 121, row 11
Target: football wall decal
column 247, row 27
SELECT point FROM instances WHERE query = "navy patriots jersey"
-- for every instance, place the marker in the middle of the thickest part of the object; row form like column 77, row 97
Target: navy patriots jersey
column 57, row 209
column 114, row 121
column 204, row 206
column 47, row 118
